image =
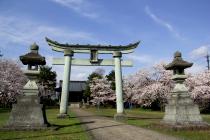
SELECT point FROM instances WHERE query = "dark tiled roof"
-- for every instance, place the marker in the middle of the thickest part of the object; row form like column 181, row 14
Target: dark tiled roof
column 76, row 86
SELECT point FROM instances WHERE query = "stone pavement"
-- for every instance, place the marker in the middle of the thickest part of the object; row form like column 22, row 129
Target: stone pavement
column 102, row 128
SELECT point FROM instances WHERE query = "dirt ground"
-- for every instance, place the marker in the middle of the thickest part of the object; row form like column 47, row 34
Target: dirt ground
column 101, row 128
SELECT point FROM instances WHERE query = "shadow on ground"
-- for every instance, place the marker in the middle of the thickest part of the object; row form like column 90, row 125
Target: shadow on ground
column 57, row 127
column 129, row 117
column 144, row 118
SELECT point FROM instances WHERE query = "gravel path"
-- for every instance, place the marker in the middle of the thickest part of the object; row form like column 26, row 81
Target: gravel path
column 101, row 128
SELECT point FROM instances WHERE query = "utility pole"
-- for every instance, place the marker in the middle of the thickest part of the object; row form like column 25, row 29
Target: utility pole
column 1, row 54
column 207, row 59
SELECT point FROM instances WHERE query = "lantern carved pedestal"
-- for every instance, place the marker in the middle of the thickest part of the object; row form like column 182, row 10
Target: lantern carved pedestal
column 28, row 113
column 181, row 112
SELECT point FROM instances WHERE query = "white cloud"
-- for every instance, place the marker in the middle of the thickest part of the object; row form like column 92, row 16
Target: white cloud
column 196, row 68
column 82, row 7
column 49, row 59
column 81, row 72
column 163, row 23
column 19, row 34
column 24, row 32
column 199, row 52
column 142, row 58
column 146, row 60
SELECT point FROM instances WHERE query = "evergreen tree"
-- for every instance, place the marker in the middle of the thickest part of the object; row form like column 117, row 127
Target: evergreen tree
column 111, row 77
column 47, row 79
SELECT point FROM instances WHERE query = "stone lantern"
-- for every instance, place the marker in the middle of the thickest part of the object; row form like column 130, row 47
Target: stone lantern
column 33, row 60
column 178, row 65
column 181, row 112
column 28, row 113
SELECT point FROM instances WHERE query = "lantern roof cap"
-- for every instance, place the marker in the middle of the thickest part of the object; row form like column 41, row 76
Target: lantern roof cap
column 34, row 46
column 33, row 57
column 178, row 62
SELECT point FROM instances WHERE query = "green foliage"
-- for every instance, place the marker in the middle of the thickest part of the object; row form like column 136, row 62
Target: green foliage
column 94, row 75
column 47, row 84
column 111, row 77
column 87, row 90
column 47, row 77
column 156, row 105
column 47, row 101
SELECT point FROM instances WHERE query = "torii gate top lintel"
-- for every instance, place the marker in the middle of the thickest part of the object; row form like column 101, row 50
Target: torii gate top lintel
column 86, row 48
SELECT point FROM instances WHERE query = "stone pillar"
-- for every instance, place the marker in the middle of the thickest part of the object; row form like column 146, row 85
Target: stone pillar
column 118, row 81
column 65, row 85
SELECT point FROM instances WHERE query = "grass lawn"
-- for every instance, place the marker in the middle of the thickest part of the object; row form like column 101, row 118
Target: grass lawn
column 66, row 129
column 147, row 119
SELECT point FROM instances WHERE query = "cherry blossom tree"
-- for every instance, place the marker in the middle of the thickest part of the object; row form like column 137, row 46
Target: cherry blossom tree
column 161, row 86
column 133, row 84
column 149, row 86
column 101, row 91
column 199, row 87
column 12, row 81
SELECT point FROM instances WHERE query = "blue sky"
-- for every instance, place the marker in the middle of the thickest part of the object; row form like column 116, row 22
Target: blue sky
column 162, row 26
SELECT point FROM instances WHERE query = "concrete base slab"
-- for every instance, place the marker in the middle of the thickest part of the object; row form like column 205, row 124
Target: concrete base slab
column 27, row 114
column 21, row 128
column 75, row 105
column 186, row 126
column 62, row 116
column 120, row 117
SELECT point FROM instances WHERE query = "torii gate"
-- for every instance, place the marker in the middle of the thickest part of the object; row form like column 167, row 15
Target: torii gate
column 94, row 50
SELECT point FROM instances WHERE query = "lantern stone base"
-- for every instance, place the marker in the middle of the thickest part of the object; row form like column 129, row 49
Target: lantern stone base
column 184, row 126
column 181, row 112
column 120, row 117
column 27, row 114
column 62, row 116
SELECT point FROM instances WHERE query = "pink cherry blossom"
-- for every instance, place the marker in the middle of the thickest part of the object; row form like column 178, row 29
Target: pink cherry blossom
column 101, row 91
column 12, row 81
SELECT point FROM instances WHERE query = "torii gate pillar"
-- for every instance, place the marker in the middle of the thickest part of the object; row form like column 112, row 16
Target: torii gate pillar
column 68, row 54
column 118, row 82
